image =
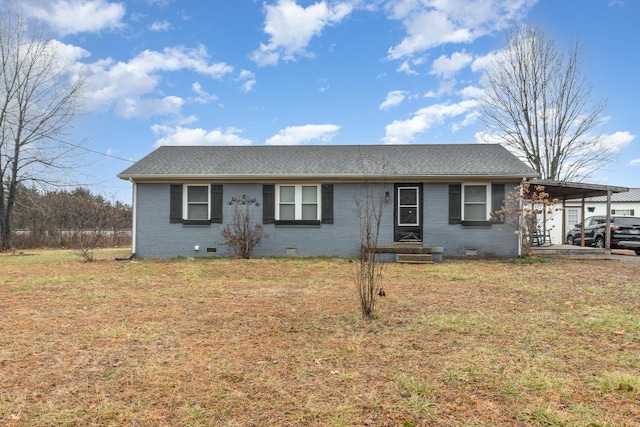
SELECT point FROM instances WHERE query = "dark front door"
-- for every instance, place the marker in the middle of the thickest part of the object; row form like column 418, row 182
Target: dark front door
column 408, row 213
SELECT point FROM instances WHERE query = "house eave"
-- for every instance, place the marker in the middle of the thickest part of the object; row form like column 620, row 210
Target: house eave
column 356, row 177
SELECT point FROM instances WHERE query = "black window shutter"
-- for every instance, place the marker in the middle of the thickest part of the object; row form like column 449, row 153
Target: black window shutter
column 327, row 203
column 175, row 203
column 632, row 212
column 455, row 203
column 497, row 199
column 216, row 203
column 268, row 203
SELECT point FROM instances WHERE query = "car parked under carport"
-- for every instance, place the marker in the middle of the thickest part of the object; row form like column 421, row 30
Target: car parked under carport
column 625, row 232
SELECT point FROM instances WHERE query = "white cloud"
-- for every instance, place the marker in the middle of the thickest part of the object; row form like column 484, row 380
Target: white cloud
column 394, row 98
column 145, row 108
column 197, row 136
column 483, row 137
column 617, row 141
column 446, row 86
column 160, row 26
column 247, row 80
column 203, row 97
column 124, row 85
column 447, row 67
column 431, row 24
column 405, row 67
column 485, row 62
column 69, row 53
column 468, row 120
column 180, row 58
column 634, row 162
column 76, row 16
column 404, row 131
column 471, row 92
column 291, row 27
column 294, row 135
column 428, row 29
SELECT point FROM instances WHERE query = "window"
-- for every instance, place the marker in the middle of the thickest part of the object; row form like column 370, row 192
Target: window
column 573, row 217
column 472, row 204
column 408, row 206
column 197, row 202
column 324, row 208
column 298, row 203
column 475, row 207
column 623, row 212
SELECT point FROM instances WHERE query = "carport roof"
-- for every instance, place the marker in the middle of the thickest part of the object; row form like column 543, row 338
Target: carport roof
column 576, row 190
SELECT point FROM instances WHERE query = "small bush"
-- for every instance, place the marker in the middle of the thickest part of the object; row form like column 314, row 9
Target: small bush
column 242, row 236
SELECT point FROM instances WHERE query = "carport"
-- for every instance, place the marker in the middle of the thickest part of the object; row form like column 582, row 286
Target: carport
column 564, row 191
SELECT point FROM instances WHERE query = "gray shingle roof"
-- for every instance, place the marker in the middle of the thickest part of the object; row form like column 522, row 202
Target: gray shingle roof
column 224, row 162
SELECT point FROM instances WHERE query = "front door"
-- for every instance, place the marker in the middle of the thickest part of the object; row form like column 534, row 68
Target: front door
column 408, row 213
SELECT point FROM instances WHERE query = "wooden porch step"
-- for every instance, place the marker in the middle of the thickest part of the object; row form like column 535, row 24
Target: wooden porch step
column 414, row 258
column 403, row 248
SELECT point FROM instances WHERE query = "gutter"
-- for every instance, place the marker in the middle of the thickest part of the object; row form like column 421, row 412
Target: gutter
column 309, row 177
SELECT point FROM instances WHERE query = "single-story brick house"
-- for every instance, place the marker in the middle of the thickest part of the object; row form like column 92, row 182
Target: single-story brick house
column 439, row 195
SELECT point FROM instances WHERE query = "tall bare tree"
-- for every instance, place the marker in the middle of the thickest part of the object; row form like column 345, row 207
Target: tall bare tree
column 539, row 105
column 38, row 100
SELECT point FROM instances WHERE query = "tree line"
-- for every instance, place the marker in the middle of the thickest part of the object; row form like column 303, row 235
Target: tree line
column 74, row 219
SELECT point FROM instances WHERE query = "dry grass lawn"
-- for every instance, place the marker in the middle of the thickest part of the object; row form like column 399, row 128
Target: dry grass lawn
column 281, row 342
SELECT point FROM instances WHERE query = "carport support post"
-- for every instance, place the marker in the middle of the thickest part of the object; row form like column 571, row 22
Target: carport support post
column 582, row 223
column 564, row 220
column 607, row 229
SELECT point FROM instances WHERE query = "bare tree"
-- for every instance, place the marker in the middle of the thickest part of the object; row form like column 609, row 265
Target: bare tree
column 38, row 101
column 538, row 104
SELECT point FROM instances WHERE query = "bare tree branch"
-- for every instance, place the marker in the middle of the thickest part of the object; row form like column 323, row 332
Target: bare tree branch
column 538, row 104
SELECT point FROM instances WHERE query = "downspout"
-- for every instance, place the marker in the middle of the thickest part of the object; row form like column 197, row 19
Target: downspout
column 520, row 229
column 134, row 219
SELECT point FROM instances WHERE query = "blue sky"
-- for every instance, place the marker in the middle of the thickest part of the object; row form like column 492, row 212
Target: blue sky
column 241, row 72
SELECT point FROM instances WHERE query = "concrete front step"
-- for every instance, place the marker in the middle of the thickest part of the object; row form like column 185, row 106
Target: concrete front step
column 414, row 259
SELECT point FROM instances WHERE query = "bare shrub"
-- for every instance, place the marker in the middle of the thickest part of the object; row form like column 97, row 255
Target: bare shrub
column 243, row 235
column 526, row 209
column 88, row 242
column 368, row 277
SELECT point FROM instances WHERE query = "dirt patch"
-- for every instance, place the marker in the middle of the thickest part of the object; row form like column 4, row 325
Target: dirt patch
column 281, row 342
